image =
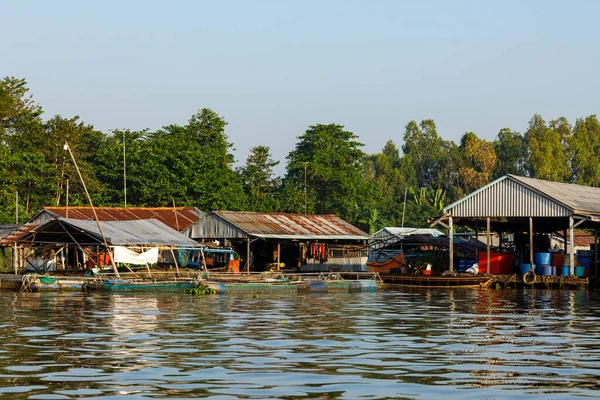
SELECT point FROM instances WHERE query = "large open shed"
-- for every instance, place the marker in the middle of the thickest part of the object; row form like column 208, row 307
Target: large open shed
column 66, row 243
column 528, row 208
column 276, row 240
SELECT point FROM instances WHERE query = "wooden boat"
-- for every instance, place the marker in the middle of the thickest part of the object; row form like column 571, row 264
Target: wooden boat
column 384, row 267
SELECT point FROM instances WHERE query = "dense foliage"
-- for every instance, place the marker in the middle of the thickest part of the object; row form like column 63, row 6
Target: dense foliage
column 326, row 172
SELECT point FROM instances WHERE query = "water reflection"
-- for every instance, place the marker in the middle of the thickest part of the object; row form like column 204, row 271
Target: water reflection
column 411, row 343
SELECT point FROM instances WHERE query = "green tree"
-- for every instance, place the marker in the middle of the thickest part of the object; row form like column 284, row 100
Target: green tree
column 258, row 178
column 479, row 162
column 424, row 148
column 585, row 146
column 511, row 150
column 334, row 171
column 16, row 103
column 547, row 156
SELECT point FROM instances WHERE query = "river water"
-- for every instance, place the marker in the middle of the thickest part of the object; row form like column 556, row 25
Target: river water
column 406, row 343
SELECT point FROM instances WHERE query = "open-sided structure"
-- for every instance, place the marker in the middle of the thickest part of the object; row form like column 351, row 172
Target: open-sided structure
column 64, row 243
column 526, row 206
column 305, row 241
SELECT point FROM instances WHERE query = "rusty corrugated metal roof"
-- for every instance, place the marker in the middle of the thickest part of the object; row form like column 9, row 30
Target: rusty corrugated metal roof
column 10, row 237
column 186, row 216
column 290, row 226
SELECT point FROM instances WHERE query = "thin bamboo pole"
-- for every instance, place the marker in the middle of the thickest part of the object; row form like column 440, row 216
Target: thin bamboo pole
column 112, row 261
column 175, row 260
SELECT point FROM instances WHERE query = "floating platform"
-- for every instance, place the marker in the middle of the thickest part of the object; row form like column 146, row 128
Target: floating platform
column 221, row 283
column 485, row 281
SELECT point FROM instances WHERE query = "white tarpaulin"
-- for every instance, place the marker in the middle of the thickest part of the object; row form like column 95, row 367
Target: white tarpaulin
column 124, row 255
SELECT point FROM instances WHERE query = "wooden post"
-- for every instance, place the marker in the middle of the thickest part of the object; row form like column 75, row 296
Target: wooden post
column 596, row 252
column 278, row 257
column 572, row 246
column 148, row 269
column 248, row 256
column 476, row 240
column 489, row 266
column 451, row 232
column 15, row 259
column 175, row 260
column 531, row 243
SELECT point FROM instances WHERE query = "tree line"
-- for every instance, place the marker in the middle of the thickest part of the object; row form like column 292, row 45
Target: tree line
column 326, row 172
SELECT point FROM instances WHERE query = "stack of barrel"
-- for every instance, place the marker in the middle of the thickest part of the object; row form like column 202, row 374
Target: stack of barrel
column 543, row 264
column 583, row 268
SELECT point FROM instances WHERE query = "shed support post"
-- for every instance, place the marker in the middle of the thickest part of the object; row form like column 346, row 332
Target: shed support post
column 489, row 266
column 14, row 259
column 476, row 242
column 531, row 243
column 278, row 252
column 596, row 252
column 571, row 247
column 248, row 255
column 451, row 233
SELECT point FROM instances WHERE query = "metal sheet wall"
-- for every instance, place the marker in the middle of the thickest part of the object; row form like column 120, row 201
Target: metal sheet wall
column 213, row 227
column 507, row 198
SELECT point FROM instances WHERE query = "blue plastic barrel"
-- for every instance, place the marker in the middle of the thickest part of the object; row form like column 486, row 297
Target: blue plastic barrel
column 544, row 270
column 542, row 258
column 580, row 271
column 525, row 268
column 566, row 270
column 312, row 286
column 586, row 261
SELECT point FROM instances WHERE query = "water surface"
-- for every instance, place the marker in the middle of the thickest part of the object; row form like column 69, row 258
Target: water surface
column 409, row 343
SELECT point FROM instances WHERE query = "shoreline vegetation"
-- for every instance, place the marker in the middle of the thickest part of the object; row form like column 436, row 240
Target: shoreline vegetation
column 327, row 172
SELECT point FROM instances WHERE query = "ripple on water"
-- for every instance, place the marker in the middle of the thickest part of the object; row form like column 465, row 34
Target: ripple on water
column 411, row 343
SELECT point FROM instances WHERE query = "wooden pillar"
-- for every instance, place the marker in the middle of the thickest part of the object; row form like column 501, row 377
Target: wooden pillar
column 596, row 251
column 531, row 243
column 248, row 255
column 476, row 241
column 489, row 266
column 15, row 259
column 278, row 254
column 451, row 229
column 571, row 247
column 175, row 261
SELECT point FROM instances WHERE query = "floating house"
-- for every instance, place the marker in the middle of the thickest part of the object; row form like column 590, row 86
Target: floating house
column 394, row 249
column 277, row 241
column 63, row 244
column 530, row 209
column 179, row 218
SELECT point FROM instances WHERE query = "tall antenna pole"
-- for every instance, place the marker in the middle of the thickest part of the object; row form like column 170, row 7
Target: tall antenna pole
column 67, row 198
column 124, row 172
column 17, row 207
column 404, row 208
column 112, row 261
column 305, row 207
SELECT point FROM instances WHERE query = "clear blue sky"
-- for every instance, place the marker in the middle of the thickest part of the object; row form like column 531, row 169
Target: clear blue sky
column 271, row 68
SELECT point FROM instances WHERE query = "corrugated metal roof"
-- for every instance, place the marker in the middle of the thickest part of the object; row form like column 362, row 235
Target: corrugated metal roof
column 578, row 197
column 516, row 196
column 279, row 226
column 179, row 218
column 395, row 231
column 10, row 235
column 6, row 230
column 118, row 233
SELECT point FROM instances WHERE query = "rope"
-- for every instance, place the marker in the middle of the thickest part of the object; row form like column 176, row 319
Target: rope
column 26, row 281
